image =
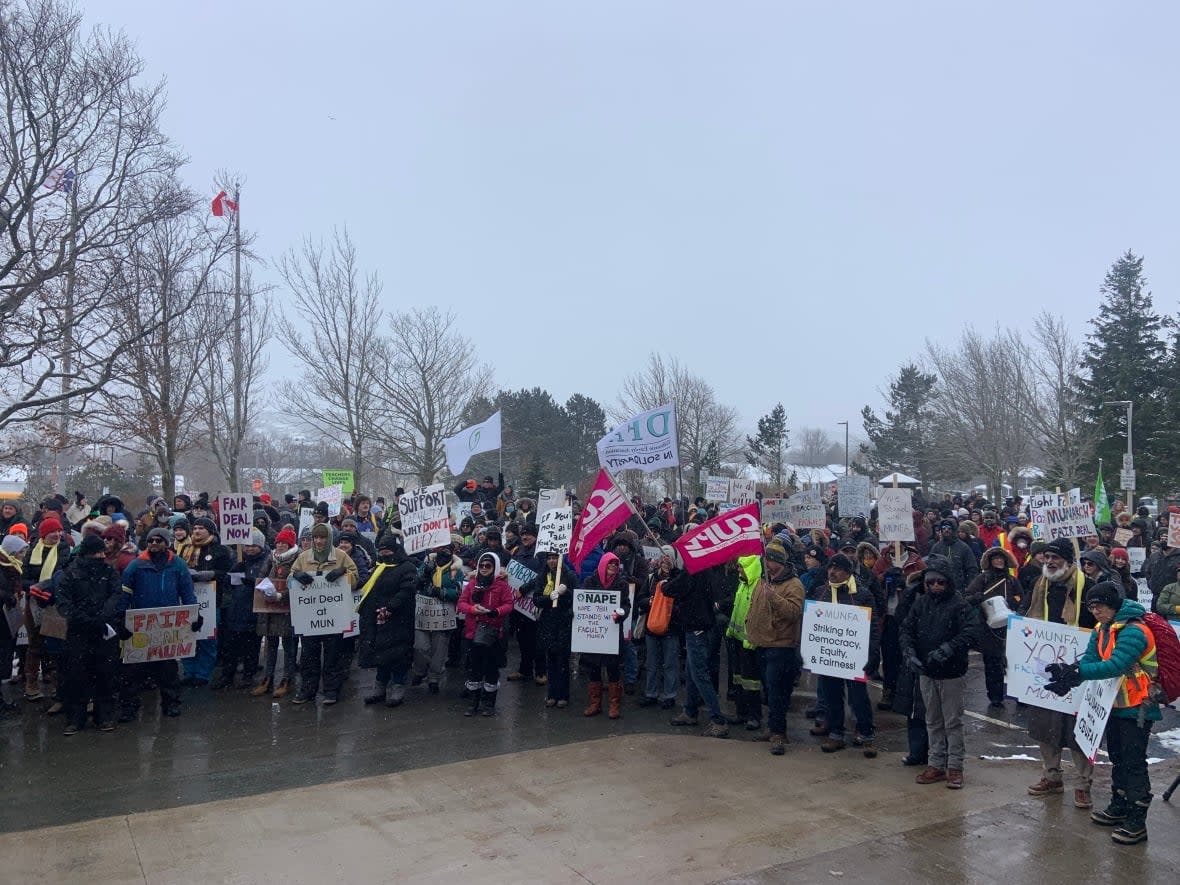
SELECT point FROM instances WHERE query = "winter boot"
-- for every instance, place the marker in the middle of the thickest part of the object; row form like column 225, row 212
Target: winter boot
column 378, row 695
column 397, row 694
column 476, row 694
column 595, row 706
column 283, row 689
column 1114, row 814
column 263, row 687
column 1134, row 828
column 489, row 700
column 615, row 707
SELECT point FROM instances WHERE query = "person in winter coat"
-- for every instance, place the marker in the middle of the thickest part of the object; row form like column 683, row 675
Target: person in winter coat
column 210, row 561
column 242, row 642
column 841, row 587
column 1168, row 602
column 486, row 602
column 744, row 660
column 633, row 567
column 1120, row 647
column 43, row 559
column 1096, row 567
column 773, row 625
column 119, row 551
column 1161, row 570
column 938, row 630
column 386, row 611
column 964, row 563
column 663, row 644
column 892, row 579
column 154, row 579
column 89, row 591
column 1120, row 568
column 554, row 596
column 532, row 663
column 327, row 656
column 696, row 596
column 11, row 570
column 274, row 625
column 608, row 577
column 969, row 535
column 995, row 579
column 441, row 579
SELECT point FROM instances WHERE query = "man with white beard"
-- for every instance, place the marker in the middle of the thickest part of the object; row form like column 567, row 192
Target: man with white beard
column 1059, row 596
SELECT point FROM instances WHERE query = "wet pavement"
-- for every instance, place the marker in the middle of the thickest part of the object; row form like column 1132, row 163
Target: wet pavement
column 240, row 752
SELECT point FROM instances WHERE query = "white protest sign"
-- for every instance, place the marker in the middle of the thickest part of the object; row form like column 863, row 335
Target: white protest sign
column 651, row 554
column 895, row 514
column 526, row 607
column 306, row 520
column 554, row 531
column 1136, row 558
column 206, row 593
column 1030, row 647
column 716, row 489
column 805, row 510
column 321, row 608
column 1037, row 504
column 741, row 492
column 594, row 631
column 1097, row 699
column 1122, row 536
column 548, row 499
column 852, row 496
column 519, row 574
column 425, row 523
column 1054, row 517
column 776, row 510
column 836, row 639
column 234, row 518
column 433, row 614
column 646, row 442
column 354, row 623
column 1074, row 496
column 159, row 634
column 333, row 496
column 1143, row 593
column 462, row 512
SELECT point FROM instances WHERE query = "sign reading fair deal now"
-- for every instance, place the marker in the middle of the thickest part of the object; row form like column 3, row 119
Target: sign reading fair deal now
column 836, row 639
column 1033, row 645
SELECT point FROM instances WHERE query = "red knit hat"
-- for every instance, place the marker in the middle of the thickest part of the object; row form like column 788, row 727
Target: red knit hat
column 286, row 536
column 19, row 528
column 48, row 526
column 1119, row 551
column 115, row 532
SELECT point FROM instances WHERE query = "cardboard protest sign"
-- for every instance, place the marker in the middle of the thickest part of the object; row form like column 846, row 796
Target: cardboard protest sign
column 235, row 518
column 741, row 492
column 519, row 574
column 159, row 634
column 425, row 522
column 554, row 531
column 594, row 631
column 321, row 608
column 895, row 514
column 462, row 512
column 1031, row 646
column 776, row 510
column 434, row 614
column 835, row 639
column 333, row 496
column 342, row 478
column 269, row 605
column 1054, row 517
column 852, row 496
column 645, row 442
column 1174, row 529
column 206, row 593
column 548, row 499
column 1122, row 536
column 1097, row 699
column 805, row 510
column 716, row 489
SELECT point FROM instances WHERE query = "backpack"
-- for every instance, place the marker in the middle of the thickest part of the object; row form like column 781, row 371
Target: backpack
column 1167, row 654
column 659, row 616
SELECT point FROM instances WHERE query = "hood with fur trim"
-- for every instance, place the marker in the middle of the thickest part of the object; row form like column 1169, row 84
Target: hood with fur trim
column 984, row 561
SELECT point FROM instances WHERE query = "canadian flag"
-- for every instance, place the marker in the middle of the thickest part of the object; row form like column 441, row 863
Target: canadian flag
column 724, row 537
column 606, row 509
column 223, row 204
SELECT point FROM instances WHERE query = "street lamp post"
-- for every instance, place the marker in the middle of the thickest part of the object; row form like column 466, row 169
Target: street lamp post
column 1129, row 464
column 845, row 423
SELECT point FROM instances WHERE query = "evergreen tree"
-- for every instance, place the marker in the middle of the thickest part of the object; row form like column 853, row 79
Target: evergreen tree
column 767, row 450
column 905, row 439
column 1123, row 361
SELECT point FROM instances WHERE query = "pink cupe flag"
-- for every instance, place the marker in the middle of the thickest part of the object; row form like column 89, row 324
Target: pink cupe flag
column 724, row 537
column 606, row 509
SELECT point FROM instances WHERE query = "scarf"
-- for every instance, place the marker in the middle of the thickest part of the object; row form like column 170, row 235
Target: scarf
column 370, row 584
column 850, row 584
column 47, row 561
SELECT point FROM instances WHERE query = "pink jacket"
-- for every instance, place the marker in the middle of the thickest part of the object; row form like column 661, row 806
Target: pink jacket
column 497, row 596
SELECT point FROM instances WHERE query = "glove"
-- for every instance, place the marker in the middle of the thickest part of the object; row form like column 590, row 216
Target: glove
column 198, row 623
column 940, row 655
column 122, row 632
column 304, row 578
column 41, row 593
column 335, row 575
column 914, row 664
column 204, row 576
column 1064, row 673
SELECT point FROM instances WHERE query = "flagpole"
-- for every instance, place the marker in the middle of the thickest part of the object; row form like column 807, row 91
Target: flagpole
column 633, row 508
column 67, row 352
column 237, row 328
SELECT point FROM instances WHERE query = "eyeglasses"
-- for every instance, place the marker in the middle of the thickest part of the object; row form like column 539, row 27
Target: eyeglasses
column 486, row 565
column 1093, row 605
column 935, row 582
column 156, row 541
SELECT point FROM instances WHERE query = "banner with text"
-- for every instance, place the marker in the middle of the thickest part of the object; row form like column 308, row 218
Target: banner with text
column 836, row 639
column 605, row 510
column 425, row 523
column 342, row 478
column 1033, row 645
column 159, row 634
column 895, row 514
column 646, row 442
column 722, row 538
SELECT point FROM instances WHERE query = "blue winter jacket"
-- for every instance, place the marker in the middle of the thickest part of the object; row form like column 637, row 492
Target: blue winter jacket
column 146, row 585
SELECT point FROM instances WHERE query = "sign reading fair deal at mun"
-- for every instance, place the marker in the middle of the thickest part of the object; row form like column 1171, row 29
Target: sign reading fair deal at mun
column 425, row 521
column 234, row 518
column 1030, row 647
column 836, row 639
column 321, row 608
column 647, row 442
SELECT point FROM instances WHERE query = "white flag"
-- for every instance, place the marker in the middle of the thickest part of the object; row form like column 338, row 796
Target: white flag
column 646, row 442
column 476, row 440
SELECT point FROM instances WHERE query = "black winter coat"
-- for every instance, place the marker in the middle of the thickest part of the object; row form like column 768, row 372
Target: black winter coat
column 822, row 592
column 694, row 598
column 964, row 562
column 88, row 596
column 554, row 624
column 937, row 619
column 392, row 642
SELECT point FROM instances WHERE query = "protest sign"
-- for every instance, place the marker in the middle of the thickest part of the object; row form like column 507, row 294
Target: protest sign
column 1143, row 593
column 1074, row 496
column 775, row 510
column 434, row 614
column 722, row 538
column 1054, row 517
column 646, row 442
column 594, row 630
column 852, row 496
column 1037, row 504
column 1097, row 698
column 1174, row 529
column 1136, row 558
column 206, row 593
column 1031, row 646
column 342, row 478
column 836, row 639
column 519, row 574
column 805, row 510
column 354, row 621
column 235, row 518
column 471, row 441
column 741, row 492
column 895, row 514
column 548, row 499
column 526, row 607
column 554, row 531
column 425, row 523
column 159, row 634
column 716, row 489
column 606, row 509
column 1176, row 627
column 306, row 520
column 269, row 604
column 321, row 607
column 462, row 512
column 333, row 496
column 1122, row 536
column 651, row 554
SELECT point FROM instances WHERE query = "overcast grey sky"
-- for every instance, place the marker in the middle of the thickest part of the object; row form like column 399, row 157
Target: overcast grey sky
column 788, row 196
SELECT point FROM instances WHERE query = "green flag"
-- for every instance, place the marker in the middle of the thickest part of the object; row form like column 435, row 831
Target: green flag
column 1101, row 502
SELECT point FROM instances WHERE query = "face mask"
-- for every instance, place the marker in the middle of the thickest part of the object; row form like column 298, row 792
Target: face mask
column 386, row 558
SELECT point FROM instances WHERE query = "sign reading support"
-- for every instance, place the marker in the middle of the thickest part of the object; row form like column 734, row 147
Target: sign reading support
column 1030, row 647
column 1094, row 706
column 836, row 639
column 425, row 523
column 159, row 634
column 234, row 518
column 594, row 630
column 320, row 608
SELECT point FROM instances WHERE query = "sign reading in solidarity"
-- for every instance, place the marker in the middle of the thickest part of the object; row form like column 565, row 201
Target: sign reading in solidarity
column 342, row 478
column 852, row 496
column 554, row 531
column 836, row 639
column 606, row 509
column 321, row 607
column 647, row 442
column 160, row 634
column 805, row 510
column 1031, row 646
column 1094, row 706
column 722, row 538
column 594, row 630
column 895, row 508
column 425, row 523
column 234, row 518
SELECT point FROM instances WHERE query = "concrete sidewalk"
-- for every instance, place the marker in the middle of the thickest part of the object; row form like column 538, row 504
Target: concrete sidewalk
column 638, row 807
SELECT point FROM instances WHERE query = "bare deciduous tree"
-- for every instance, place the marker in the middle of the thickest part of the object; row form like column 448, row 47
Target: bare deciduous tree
column 816, row 448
